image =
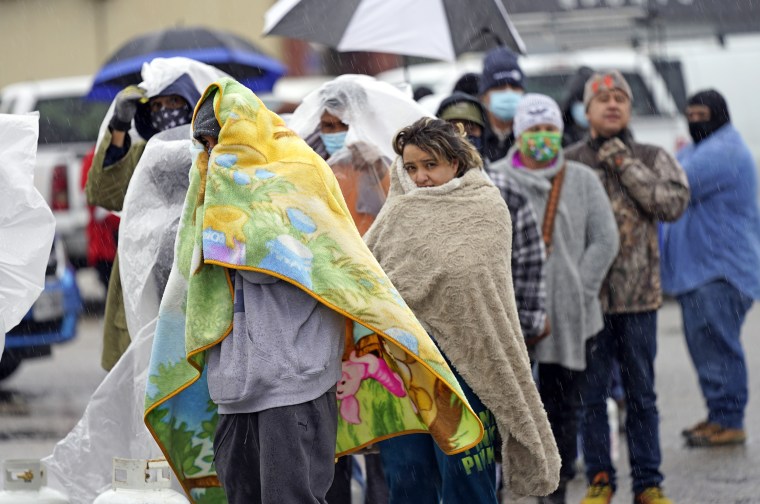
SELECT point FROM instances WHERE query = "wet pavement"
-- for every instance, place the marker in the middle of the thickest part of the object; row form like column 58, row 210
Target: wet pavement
column 729, row 475
column 46, row 397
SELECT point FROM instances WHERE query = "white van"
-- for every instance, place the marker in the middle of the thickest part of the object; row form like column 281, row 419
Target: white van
column 655, row 118
column 68, row 129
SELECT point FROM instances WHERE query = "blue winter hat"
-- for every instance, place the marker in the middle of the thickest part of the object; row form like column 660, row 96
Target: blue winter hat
column 500, row 67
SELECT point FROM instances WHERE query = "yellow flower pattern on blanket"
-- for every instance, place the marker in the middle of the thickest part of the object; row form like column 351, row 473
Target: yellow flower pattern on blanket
column 266, row 202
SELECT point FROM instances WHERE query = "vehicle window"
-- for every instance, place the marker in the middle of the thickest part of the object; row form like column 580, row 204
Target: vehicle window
column 70, row 119
column 554, row 85
column 548, row 84
column 643, row 103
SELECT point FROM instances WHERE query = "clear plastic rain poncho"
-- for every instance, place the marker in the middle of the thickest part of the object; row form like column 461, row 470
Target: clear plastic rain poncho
column 374, row 111
column 159, row 73
column 27, row 225
column 112, row 424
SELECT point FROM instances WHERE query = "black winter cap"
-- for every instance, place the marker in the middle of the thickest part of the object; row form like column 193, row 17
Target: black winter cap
column 500, row 67
column 205, row 120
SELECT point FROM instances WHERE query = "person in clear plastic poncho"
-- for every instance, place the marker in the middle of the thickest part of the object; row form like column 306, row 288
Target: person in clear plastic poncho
column 163, row 101
column 26, row 225
column 112, row 424
column 350, row 121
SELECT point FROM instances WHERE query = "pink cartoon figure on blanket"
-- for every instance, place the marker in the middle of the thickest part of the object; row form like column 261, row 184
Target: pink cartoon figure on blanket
column 356, row 369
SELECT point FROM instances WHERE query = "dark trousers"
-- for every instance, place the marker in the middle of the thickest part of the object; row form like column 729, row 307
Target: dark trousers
column 560, row 392
column 418, row 472
column 630, row 337
column 375, row 490
column 713, row 315
column 278, row 455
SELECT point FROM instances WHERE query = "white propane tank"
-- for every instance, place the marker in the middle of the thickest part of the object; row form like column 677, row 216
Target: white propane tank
column 25, row 484
column 141, row 482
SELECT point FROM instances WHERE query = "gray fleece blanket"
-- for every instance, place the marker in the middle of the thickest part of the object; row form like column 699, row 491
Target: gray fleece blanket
column 447, row 251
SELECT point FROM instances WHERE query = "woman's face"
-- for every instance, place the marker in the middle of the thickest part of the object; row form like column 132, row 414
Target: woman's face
column 425, row 170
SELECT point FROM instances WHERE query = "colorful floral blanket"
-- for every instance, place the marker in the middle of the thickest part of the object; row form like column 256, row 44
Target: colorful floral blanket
column 265, row 202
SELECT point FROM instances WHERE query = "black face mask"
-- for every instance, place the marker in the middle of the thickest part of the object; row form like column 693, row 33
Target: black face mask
column 164, row 118
column 719, row 116
column 477, row 142
column 699, row 130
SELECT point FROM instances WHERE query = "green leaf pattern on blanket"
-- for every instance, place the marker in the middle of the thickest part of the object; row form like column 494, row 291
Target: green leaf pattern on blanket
column 182, row 448
column 277, row 210
column 212, row 495
column 387, row 414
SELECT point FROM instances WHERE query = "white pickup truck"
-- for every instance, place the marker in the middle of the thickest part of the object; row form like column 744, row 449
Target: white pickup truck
column 68, row 129
column 655, row 119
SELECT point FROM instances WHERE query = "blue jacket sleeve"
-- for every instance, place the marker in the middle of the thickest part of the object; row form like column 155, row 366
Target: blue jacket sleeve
column 712, row 167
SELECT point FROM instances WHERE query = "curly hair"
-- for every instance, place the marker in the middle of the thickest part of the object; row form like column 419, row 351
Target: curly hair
column 441, row 139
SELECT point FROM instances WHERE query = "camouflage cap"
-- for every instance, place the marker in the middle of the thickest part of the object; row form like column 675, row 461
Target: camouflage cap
column 605, row 82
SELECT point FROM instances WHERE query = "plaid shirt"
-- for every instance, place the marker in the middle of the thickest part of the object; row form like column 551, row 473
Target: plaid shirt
column 528, row 257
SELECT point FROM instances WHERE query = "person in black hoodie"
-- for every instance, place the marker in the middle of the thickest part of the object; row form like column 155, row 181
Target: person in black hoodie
column 573, row 109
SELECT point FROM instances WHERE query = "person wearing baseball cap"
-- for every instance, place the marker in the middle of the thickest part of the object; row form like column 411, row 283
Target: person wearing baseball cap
column 501, row 87
column 645, row 185
column 462, row 108
column 581, row 239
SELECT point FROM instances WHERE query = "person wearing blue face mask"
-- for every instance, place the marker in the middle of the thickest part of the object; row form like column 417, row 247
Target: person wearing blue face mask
column 501, row 88
column 573, row 109
column 350, row 122
column 332, row 132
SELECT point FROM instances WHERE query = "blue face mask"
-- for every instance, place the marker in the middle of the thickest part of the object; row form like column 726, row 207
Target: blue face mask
column 503, row 104
column 333, row 141
column 578, row 113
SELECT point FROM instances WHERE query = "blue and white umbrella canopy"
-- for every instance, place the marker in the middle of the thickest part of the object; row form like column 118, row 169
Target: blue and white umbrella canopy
column 437, row 29
column 226, row 51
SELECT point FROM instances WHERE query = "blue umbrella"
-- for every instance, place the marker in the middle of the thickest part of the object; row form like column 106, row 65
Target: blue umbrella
column 226, row 51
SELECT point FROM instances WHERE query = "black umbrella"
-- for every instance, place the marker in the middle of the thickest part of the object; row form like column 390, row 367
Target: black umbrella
column 438, row 29
column 226, row 51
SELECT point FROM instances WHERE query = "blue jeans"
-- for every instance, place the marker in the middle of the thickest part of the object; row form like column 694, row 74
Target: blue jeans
column 713, row 315
column 418, row 472
column 631, row 338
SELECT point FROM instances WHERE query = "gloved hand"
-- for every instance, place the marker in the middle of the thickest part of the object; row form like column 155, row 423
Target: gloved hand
column 614, row 153
column 125, row 107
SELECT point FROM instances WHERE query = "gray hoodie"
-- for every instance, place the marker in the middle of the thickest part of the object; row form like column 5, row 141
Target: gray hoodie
column 285, row 348
column 584, row 244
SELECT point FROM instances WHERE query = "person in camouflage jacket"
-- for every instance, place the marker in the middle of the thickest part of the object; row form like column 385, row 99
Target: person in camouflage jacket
column 645, row 185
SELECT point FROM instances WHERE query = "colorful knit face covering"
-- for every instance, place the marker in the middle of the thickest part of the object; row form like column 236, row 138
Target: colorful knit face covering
column 542, row 146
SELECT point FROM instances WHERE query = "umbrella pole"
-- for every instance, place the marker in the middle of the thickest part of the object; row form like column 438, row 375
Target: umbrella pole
column 407, row 78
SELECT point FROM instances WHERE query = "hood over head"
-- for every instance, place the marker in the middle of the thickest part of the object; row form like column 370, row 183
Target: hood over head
column 373, row 110
column 719, row 115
